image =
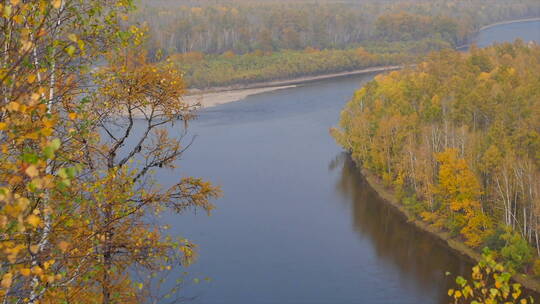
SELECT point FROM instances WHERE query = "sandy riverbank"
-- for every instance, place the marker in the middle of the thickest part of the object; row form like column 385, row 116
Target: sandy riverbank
column 211, row 99
column 220, row 95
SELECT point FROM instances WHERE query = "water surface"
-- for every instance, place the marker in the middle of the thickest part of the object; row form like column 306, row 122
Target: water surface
column 526, row 31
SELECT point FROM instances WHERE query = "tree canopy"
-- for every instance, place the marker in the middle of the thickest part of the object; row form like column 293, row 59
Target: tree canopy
column 459, row 137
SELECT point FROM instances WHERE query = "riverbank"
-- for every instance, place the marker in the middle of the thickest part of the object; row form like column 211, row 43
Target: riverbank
column 389, row 196
column 509, row 22
column 212, row 99
column 221, row 95
column 485, row 27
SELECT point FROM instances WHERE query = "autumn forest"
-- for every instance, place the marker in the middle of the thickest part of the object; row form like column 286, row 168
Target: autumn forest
column 119, row 138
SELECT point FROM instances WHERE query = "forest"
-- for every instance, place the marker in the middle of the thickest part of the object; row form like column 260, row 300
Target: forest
column 206, row 71
column 217, row 30
column 93, row 118
column 458, row 138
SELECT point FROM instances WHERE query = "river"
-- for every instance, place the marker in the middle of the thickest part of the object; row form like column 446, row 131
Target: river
column 297, row 223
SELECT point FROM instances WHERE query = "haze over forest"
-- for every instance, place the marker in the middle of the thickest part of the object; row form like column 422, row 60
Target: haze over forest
column 348, row 151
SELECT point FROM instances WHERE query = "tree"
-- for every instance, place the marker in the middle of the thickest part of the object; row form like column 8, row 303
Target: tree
column 123, row 193
column 75, row 210
column 459, row 191
column 490, row 284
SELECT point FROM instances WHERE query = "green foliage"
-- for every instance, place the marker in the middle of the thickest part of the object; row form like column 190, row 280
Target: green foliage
column 536, row 267
column 413, row 205
column 202, row 71
column 490, row 284
column 494, row 240
column 516, row 251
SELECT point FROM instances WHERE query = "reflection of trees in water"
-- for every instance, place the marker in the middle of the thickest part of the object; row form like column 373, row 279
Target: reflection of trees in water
column 412, row 251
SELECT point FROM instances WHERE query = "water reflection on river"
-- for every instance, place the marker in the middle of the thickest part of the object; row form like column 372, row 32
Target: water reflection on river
column 401, row 244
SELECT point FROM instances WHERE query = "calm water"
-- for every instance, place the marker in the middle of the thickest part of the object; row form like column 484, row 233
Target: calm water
column 297, row 223
column 527, row 31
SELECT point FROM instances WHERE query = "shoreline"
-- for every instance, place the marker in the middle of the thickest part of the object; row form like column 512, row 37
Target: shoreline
column 458, row 247
column 221, row 95
column 485, row 27
column 216, row 98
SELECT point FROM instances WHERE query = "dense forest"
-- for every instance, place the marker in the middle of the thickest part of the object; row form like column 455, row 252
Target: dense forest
column 458, row 138
column 215, row 31
column 215, row 27
column 228, row 69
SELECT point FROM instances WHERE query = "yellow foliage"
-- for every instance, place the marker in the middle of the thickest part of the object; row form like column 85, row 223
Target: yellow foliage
column 33, row 220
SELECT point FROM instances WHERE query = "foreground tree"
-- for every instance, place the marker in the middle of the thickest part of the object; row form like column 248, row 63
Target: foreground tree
column 76, row 209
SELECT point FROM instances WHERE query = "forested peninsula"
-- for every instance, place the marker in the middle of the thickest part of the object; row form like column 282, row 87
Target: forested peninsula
column 457, row 138
column 244, row 42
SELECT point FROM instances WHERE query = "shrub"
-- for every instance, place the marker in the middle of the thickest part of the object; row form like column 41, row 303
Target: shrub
column 516, row 252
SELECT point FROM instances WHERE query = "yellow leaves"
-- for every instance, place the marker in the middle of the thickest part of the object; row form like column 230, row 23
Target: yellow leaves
column 31, row 78
column 34, row 249
column 13, row 106
column 3, row 126
column 15, row 179
column 18, row 19
column 72, row 116
column 484, row 76
column 26, row 45
column 63, row 245
column 48, row 264
column 7, row 279
column 33, row 220
column 50, row 279
column 72, row 37
column 56, row 3
column 37, row 270
column 13, row 252
column 32, row 171
column 48, row 123
column 25, row 272
column 7, row 11
column 22, row 202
